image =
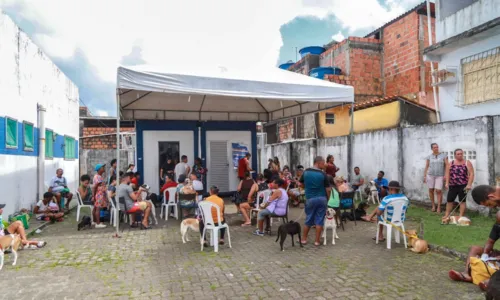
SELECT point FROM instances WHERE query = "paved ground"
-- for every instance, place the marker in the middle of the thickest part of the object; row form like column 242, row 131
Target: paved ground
column 155, row 264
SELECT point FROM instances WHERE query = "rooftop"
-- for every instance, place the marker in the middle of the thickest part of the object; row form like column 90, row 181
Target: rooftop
column 385, row 100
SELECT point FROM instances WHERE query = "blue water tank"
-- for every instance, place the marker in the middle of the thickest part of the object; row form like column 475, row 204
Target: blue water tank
column 316, row 50
column 287, row 65
column 322, row 71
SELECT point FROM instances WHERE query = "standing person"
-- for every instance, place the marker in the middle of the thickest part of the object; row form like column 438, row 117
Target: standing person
column 98, row 177
column 277, row 163
column 182, row 168
column 357, row 180
column 100, row 202
column 59, row 187
column 317, row 190
column 459, row 179
column 112, row 170
column 435, row 167
column 199, row 170
column 244, row 166
column 330, row 167
column 130, row 169
column 168, row 167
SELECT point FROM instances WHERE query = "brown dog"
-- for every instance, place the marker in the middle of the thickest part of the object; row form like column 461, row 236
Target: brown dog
column 9, row 241
column 417, row 245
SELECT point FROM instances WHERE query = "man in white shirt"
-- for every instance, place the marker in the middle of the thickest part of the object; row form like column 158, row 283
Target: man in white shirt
column 182, row 168
column 59, row 187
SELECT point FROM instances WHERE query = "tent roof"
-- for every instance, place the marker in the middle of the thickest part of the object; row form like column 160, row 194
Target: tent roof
column 223, row 94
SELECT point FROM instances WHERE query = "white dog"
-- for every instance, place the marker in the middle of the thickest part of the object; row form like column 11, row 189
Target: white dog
column 190, row 223
column 12, row 241
column 373, row 193
column 330, row 222
column 144, row 196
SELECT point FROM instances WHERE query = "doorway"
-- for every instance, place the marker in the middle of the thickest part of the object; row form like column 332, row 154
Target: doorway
column 219, row 165
column 168, row 151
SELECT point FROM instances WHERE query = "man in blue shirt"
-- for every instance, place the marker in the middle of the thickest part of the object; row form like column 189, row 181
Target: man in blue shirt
column 381, row 183
column 317, row 190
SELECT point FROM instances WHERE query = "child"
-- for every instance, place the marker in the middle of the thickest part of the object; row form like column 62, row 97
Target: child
column 47, row 209
column 100, row 202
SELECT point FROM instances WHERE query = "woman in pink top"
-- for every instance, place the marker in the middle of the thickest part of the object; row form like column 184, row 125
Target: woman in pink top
column 459, row 179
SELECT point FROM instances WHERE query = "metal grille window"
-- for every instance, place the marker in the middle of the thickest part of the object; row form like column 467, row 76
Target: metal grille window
column 481, row 77
column 330, row 118
column 468, row 155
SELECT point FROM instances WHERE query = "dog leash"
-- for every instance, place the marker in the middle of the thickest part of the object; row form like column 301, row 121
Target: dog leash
column 399, row 229
column 460, row 202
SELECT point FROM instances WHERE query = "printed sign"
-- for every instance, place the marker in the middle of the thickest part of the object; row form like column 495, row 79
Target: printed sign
column 239, row 151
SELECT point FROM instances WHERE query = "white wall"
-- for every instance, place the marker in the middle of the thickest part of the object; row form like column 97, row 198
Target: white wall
column 338, row 148
column 467, row 18
column 28, row 78
column 449, row 94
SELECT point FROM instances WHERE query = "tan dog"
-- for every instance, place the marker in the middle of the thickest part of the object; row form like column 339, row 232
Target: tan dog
column 417, row 245
column 193, row 224
column 11, row 241
column 455, row 220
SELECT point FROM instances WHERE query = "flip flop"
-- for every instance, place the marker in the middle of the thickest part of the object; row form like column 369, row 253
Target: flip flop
column 433, row 209
column 457, row 276
column 245, row 224
column 317, row 244
column 380, row 240
column 302, row 242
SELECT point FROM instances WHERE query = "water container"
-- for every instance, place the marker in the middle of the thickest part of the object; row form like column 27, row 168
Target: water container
column 285, row 66
column 322, row 71
column 316, row 50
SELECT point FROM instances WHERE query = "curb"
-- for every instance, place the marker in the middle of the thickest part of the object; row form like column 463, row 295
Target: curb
column 43, row 225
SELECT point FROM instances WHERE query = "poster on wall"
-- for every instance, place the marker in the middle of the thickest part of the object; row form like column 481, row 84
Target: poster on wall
column 239, row 151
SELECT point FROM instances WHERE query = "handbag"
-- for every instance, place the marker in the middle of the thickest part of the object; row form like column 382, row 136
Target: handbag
column 480, row 270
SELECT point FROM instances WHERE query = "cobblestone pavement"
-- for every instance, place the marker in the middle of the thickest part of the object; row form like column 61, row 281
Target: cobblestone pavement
column 154, row 264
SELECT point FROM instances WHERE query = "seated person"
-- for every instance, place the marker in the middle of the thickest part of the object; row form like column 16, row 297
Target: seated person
column 357, row 180
column 247, row 188
column 294, row 190
column 215, row 199
column 134, row 180
column 59, row 187
column 341, row 185
column 334, row 201
column 277, row 205
column 394, row 194
column 17, row 227
column 169, row 183
column 44, row 212
column 262, row 183
column 112, row 187
column 181, row 181
column 490, row 197
column 85, row 190
column 133, row 206
column 197, row 185
column 381, row 184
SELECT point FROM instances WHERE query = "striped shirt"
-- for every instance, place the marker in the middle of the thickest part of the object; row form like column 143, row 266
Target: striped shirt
column 386, row 204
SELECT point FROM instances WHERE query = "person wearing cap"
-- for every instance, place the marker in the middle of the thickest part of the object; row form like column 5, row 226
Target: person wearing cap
column 215, row 199
column 488, row 196
column 100, row 196
column 17, row 227
column 394, row 194
column 59, row 187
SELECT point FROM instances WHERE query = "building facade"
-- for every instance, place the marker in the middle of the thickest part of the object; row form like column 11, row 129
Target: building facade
column 467, row 49
column 35, row 95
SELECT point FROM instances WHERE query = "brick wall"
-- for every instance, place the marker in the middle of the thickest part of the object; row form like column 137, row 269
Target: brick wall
column 101, row 142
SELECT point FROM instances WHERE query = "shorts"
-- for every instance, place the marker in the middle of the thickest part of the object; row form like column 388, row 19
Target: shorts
column 315, row 211
column 138, row 206
column 454, row 191
column 263, row 214
column 435, row 182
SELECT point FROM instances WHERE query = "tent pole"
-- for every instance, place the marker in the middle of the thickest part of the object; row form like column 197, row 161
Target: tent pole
column 351, row 148
column 117, row 213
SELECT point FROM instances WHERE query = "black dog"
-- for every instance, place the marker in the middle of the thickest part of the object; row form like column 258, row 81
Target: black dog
column 493, row 289
column 292, row 228
column 86, row 222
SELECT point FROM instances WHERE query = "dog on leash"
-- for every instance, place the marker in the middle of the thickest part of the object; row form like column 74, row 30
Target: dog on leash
column 373, row 195
column 86, row 222
column 145, row 196
column 417, row 245
column 12, row 241
column 190, row 223
column 330, row 222
column 455, row 220
column 291, row 228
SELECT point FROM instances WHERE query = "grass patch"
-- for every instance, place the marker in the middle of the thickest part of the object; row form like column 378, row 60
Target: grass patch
column 455, row 237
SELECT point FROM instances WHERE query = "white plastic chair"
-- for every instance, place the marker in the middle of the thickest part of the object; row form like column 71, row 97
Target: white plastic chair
column 112, row 211
column 397, row 219
column 265, row 194
column 206, row 213
column 81, row 205
column 170, row 202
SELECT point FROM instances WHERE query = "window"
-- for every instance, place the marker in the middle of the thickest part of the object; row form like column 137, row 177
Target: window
column 330, row 118
column 468, row 155
column 49, row 143
column 69, row 148
column 28, row 136
column 481, row 77
column 10, row 133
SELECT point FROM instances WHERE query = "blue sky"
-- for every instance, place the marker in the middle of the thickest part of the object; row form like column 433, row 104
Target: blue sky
column 88, row 39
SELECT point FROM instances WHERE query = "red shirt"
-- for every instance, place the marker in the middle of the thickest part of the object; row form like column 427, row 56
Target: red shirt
column 134, row 181
column 242, row 167
column 331, row 169
column 167, row 186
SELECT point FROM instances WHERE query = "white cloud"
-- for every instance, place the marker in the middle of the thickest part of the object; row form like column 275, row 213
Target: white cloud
column 176, row 33
column 101, row 113
column 338, row 37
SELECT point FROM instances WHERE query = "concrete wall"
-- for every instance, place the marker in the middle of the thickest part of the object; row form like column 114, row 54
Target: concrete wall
column 467, row 18
column 89, row 158
column 28, row 78
column 401, row 152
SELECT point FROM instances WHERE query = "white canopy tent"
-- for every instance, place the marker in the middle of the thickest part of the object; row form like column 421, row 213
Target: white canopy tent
column 222, row 94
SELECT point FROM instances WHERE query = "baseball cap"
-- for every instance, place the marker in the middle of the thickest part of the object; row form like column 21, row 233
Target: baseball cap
column 98, row 166
column 394, row 185
column 2, row 206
